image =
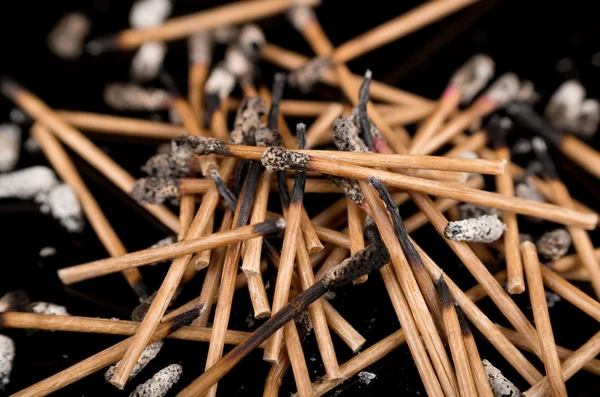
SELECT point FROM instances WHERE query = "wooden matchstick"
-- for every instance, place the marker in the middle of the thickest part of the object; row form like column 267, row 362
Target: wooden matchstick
column 568, row 262
column 581, row 239
column 201, row 260
column 187, row 209
column 498, row 129
column 416, row 301
column 542, row 319
column 466, row 383
column 86, row 271
column 369, row 259
column 570, row 366
column 275, row 377
column 313, row 185
column 103, row 359
column 177, row 28
column 592, row 366
column 396, row 28
column 355, row 232
column 117, row 125
column 570, row 293
column 63, row 165
column 295, row 353
column 81, row 145
column 171, row 281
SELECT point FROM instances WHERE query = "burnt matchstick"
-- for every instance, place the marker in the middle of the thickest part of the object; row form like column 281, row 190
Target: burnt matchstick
column 466, row 383
column 565, row 104
column 277, row 158
column 133, row 97
column 155, row 191
column 425, row 282
column 160, row 383
column 465, row 83
column 217, row 88
column 365, row 123
column 363, row 262
column 60, row 160
column 542, row 319
column 497, row 129
column 581, row 239
column 500, row 93
column 77, row 273
column 167, row 166
column 577, row 151
column 81, row 145
column 479, row 376
column 104, row 358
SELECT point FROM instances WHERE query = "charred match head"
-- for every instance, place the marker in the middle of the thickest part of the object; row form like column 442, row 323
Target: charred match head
column 226, row 194
column 248, row 120
column 462, row 320
column 186, row 318
column 132, row 97
column 363, row 100
column 266, row 137
column 14, row 301
column 497, row 129
column 351, row 189
column 251, row 41
column 541, row 151
column 523, row 114
column 304, row 324
column 66, row 39
column 305, row 77
column 504, row 89
column 167, row 166
column 554, row 245
column 586, row 123
column 362, row 262
column 185, row 146
column 484, row 229
column 276, row 158
column 346, row 136
column 167, row 80
column 155, row 190
column 271, row 226
column 372, row 233
column 160, row 383
column 564, row 105
column 276, row 96
column 471, row 77
column 444, row 293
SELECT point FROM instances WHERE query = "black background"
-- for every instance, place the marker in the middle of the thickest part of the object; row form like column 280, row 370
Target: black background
column 529, row 41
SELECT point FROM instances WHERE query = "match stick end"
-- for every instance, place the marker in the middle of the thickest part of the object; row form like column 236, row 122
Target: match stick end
column 516, row 286
column 444, row 292
column 102, row 45
column 362, row 262
column 9, row 86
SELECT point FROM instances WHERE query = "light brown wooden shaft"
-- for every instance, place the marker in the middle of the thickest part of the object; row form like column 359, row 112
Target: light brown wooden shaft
column 251, row 262
column 319, row 132
column 313, row 185
column 284, row 277
column 201, row 260
column 417, row 304
column 568, row 262
column 514, row 265
column 290, row 60
column 287, row 138
column 186, row 247
column 445, row 106
column 258, row 296
column 337, row 255
column 466, row 384
column 570, row 366
column 107, row 327
column 398, row 27
column 218, row 125
column 297, row 360
column 521, row 206
column 117, row 125
column 479, row 271
column 571, row 293
column 474, row 360
column 187, row 210
column 355, row 233
column 198, row 71
column 275, row 377
column 472, row 143
column 169, row 284
column 581, row 240
column 81, row 145
column 180, row 27
column 406, row 115
column 581, row 153
column 542, row 319
column 483, row 323
column 212, row 278
column 58, row 157
column 593, row 366
column 338, row 324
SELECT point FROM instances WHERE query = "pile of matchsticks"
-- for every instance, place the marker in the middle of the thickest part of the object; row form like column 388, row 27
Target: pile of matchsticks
column 240, row 187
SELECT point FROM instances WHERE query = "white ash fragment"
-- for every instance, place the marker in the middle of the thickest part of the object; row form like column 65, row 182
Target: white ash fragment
column 47, row 251
column 552, row 298
column 51, row 309
column 132, row 97
column 564, row 105
column 501, row 387
column 305, row 77
column 7, row 356
column 65, row 207
column 469, row 210
column 10, row 146
column 160, row 384
column 304, row 324
column 32, row 146
column 586, row 123
column 504, row 90
column 484, row 229
column 527, row 92
column 237, row 62
column 148, row 61
column 251, row 41
column 67, row 39
column 470, row 78
column 17, row 116
column 148, row 354
column 527, row 190
column 27, row 183
column 220, row 82
column 366, row 377
column 14, row 301
column 149, row 13
column 554, row 245
column 226, row 34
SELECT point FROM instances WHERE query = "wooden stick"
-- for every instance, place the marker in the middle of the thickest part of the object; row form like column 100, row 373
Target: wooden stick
column 319, row 132
column 313, row 185
column 569, row 292
column 396, row 28
column 355, row 232
column 275, row 377
column 542, row 319
column 170, row 283
column 568, row 262
column 570, row 366
column 60, row 161
column 407, row 115
column 73, row 274
column 466, row 384
column 297, row 360
column 592, row 366
column 117, row 125
column 415, row 299
column 179, row 27
column 102, row 359
column 187, row 209
column 290, row 60
column 81, row 145
column 201, row 260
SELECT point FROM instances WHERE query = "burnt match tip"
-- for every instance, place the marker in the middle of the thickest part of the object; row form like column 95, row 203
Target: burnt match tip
column 444, row 292
column 362, row 262
column 9, row 86
column 186, row 318
column 541, row 151
column 271, row 226
column 226, row 194
column 301, row 134
column 102, row 45
column 140, row 289
column 462, row 320
column 154, row 190
column 276, row 158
